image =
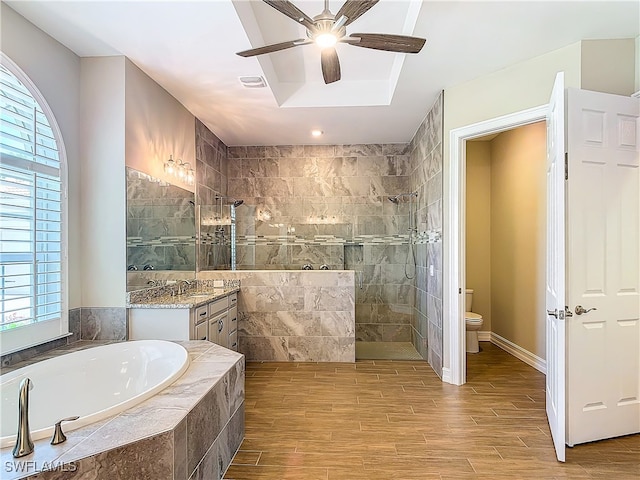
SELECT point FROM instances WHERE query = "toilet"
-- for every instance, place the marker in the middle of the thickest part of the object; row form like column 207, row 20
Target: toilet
column 473, row 323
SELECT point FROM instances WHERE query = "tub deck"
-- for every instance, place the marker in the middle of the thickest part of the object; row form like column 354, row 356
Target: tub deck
column 190, row 429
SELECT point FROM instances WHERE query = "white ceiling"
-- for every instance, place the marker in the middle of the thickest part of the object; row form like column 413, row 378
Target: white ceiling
column 189, row 48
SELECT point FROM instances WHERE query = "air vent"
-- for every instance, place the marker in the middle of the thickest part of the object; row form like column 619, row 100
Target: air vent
column 253, row 82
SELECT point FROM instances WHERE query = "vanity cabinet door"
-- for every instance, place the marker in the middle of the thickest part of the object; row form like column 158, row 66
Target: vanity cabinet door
column 223, row 330
column 213, row 330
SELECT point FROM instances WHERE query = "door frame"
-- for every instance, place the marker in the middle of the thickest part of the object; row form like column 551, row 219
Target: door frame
column 454, row 185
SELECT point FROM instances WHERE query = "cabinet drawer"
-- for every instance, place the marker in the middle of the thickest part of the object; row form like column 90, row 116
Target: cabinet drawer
column 233, row 319
column 201, row 313
column 218, row 306
column 233, row 299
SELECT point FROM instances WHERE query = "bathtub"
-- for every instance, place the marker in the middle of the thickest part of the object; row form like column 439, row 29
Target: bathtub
column 93, row 384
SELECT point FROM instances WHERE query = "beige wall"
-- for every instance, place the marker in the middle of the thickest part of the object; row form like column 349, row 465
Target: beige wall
column 58, row 79
column 518, row 222
column 478, row 228
column 103, row 182
column 157, row 125
column 518, row 87
column 637, row 62
column 609, row 66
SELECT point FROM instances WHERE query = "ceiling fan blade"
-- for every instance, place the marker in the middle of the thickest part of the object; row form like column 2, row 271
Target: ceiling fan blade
column 330, row 65
column 353, row 9
column 276, row 47
column 389, row 43
column 290, row 10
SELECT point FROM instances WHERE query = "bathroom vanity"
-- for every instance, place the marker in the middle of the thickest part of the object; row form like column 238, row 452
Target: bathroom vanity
column 211, row 315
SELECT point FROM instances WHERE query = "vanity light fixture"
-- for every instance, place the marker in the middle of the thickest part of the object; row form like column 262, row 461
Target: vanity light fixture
column 181, row 170
column 170, row 166
column 316, row 133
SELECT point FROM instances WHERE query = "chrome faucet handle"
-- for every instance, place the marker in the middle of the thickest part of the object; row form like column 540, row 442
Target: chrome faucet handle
column 324, row 266
column 58, row 434
column 307, row 266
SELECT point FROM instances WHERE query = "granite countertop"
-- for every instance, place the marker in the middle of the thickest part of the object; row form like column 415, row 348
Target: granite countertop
column 190, row 299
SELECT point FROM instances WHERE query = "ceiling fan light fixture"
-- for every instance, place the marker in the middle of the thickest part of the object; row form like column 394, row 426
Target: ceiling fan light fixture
column 326, row 40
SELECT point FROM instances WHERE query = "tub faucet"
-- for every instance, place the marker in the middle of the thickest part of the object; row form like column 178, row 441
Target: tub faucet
column 24, row 445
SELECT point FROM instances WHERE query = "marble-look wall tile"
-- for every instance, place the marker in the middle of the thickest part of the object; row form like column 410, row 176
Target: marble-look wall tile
column 148, row 458
column 28, row 353
column 103, row 323
column 180, row 451
column 360, row 150
column 286, row 324
column 425, row 160
column 368, row 332
column 396, row 333
column 273, row 349
column 279, row 310
column 328, row 299
column 74, row 325
column 202, row 427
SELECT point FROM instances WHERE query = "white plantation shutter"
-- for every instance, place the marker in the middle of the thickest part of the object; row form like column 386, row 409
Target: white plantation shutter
column 32, row 264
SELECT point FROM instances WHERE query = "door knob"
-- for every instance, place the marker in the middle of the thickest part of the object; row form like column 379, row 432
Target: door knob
column 580, row 310
column 553, row 313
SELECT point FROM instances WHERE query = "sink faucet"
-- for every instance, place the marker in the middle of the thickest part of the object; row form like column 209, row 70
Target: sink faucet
column 24, row 445
column 181, row 286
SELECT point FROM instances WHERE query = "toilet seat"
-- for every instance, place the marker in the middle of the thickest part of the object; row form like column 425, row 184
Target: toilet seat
column 472, row 318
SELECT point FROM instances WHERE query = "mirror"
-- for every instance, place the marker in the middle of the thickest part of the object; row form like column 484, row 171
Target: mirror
column 161, row 231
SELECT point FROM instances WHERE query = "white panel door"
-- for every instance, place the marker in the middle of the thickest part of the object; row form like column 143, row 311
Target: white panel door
column 603, row 266
column 555, row 268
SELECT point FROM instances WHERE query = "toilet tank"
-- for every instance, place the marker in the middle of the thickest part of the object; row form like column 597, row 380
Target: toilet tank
column 468, row 300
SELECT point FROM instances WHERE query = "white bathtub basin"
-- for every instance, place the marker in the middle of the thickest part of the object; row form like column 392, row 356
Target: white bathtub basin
column 93, row 384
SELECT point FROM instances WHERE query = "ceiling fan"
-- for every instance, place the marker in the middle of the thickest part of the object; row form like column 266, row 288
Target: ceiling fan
column 327, row 29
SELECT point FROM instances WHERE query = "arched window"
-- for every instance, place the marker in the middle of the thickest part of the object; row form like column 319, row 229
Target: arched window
column 32, row 215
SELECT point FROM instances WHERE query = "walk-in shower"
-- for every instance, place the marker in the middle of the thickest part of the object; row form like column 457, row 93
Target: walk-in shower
column 410, row 262
column 233, row 203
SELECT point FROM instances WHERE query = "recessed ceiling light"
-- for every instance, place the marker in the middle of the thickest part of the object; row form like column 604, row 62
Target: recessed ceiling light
column 253, row 82
column 316, row 133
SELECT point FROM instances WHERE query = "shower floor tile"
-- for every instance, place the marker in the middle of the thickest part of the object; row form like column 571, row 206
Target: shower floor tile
column 386, row 351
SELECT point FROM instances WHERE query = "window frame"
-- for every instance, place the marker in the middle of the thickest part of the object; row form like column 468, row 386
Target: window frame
column 37, row 333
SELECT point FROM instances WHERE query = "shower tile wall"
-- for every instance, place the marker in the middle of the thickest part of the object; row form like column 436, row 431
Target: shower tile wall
column 327, row 204
column 426, row 179
column 211, row 180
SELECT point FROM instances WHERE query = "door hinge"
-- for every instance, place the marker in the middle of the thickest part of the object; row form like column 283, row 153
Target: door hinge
column 566, row 165
column 460, row 290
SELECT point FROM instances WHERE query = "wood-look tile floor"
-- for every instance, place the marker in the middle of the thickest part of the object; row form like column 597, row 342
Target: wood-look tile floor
column 396, row 420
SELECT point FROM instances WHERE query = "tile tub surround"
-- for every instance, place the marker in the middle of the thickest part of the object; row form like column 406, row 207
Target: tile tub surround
column 295, row 316
column 190, row 430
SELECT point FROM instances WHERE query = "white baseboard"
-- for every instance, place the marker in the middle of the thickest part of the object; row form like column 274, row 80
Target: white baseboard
column 446, row 375
column 484, row 336
column 518, row 352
